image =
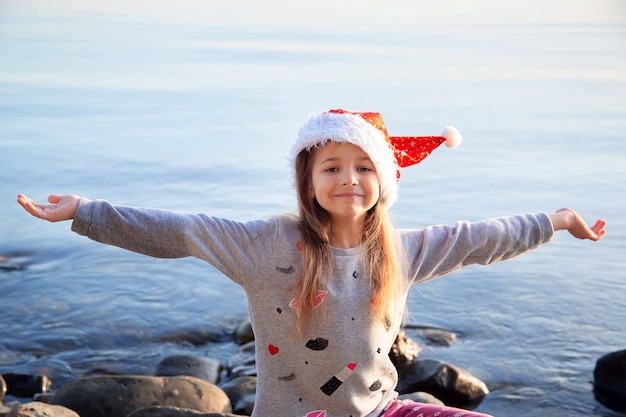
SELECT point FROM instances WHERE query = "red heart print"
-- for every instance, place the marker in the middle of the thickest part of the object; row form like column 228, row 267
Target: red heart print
column 273, row 349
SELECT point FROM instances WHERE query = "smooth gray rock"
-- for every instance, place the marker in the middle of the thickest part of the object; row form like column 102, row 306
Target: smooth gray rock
column 208, row 369
column 116, row 396
column 244, row 333
column 242, row 393
column 440, row 337
column 37, row 409
column 243, row 363
column 421, row 397
column 158, row 411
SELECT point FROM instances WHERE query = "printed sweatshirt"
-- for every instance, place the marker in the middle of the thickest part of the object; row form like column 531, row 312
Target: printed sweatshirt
column 340, row 366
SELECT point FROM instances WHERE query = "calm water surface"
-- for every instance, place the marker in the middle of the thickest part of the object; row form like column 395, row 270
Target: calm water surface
column 194, row 108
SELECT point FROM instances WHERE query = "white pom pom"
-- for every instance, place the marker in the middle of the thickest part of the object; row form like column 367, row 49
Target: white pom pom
column 453, row 136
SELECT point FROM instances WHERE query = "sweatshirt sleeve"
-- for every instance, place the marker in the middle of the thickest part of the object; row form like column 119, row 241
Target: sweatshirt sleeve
column 234, row 248
column 439, row 250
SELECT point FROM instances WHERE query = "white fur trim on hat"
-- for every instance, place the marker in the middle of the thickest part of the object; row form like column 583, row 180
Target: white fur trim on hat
column 350, row 128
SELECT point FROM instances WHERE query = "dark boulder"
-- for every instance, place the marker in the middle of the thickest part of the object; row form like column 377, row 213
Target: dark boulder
column 609, row 384
column 24, row 385
column 452, row 385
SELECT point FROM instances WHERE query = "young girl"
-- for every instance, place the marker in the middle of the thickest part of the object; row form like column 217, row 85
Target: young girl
column 327, row 288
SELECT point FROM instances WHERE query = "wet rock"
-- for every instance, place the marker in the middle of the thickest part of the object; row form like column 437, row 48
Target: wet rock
column 242, row 393
column 243, row 363
column 5, row 409
column 158, row 411
column 452, row 385
column 117, row 396
column 244, row 333
column 43, row 397
column 37, row 409
column 25, row 386
column 610, row 380
column 208, row 369
column 403, row 350
column 440, row 337
column 7, row 266
column 421, row 397
column 3, row 389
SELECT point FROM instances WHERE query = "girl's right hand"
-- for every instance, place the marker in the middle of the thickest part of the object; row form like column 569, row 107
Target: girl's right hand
column 61, row 207
column 568, row 219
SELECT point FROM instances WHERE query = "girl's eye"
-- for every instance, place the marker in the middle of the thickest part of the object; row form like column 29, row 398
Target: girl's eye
column 365, row 169
column 331, row 169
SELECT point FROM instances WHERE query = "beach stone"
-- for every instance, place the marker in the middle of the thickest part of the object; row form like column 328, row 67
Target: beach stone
column 242, row 393
column 452, row 385
column 158, row 411
column 24, row 385
column 244, row 333
column 403, row 350
column 440, row 337
column 609, row 383
column 3, row 389
column 208, row 369
column 5, row 409
column 37, row 409
column 243, row 363
column 43, row 397
column 117, row 396
column 421, row 397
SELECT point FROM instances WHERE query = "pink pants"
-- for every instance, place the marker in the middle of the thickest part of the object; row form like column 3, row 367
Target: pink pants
column 408, row 408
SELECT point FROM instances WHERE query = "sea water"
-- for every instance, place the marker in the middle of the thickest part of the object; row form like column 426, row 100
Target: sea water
column 193, row 106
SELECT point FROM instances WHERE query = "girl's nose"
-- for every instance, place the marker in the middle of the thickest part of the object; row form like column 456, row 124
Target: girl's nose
column 349, row 178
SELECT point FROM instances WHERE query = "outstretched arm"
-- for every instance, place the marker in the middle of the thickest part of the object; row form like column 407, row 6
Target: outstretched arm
column 61, row 207
column 568, row 219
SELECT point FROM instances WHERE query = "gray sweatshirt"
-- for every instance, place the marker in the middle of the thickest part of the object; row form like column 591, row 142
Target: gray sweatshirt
column 340, row 367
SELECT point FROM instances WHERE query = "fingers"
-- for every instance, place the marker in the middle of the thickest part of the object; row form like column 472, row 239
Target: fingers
column 599, row 229
column 31, row 206
column 54, row 198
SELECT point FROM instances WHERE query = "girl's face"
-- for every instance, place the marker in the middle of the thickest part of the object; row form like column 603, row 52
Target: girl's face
column 344, row 181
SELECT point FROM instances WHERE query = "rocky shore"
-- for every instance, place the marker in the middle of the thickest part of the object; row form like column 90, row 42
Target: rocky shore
column 194, row 386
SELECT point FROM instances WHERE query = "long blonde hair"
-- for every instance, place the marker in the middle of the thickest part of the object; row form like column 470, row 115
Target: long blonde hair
column 383, row 253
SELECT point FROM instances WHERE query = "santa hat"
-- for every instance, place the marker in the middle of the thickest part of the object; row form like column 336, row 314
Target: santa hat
column 367, row 131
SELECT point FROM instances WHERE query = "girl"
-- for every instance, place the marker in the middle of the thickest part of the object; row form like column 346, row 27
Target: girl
column 326, row 289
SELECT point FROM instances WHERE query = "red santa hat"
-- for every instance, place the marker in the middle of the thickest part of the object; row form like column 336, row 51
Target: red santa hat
column 368, row 131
